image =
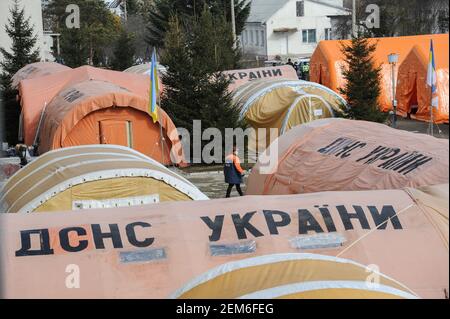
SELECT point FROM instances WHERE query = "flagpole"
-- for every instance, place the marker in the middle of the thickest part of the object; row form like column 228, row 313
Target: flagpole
column 160, row 127
column 431, row 113
column 155, row 67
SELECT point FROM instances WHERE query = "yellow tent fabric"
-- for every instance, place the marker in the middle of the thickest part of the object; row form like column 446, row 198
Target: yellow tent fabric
column 284, row 104
column 292, row 276
column 92, row 176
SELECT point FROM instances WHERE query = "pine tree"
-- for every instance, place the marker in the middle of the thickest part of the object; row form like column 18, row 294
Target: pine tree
column 21, row 53
column 179, row 80
column 124, row 51
column 158, row 19
column 362, row 88
column 195, row 89
column 85, row 45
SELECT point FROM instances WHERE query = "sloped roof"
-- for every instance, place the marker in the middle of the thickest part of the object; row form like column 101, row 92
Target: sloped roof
column 262, row 10
column 344, row 10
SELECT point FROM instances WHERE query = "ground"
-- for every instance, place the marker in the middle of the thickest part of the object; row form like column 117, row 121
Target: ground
column 211, row 183
column 440, row 131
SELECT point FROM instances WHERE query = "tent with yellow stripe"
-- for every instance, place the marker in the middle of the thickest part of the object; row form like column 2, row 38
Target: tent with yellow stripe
column 92, row 176
column 283, row 104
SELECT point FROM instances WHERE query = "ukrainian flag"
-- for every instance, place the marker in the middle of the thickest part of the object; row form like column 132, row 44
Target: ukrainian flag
column 154, row 89
column 432, row 78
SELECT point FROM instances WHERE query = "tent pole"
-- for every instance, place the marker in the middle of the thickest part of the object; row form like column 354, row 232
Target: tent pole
column 36, row 136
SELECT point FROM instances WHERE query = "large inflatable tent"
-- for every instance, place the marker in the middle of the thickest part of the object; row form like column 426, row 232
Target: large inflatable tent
column 96, row 112
column 327, row 61
column 36, row 93
column 413, row 93
column 88, row 105
column 284, row 104
column 340, row 155
column 36, row 70
column 366, row 244
column 92, row 176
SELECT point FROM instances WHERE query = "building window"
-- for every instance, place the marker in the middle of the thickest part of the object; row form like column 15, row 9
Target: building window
column 257, row 38
column 309, row 36
column 262, row 39
column 251, row 37
column 300, row 8
column 328, row 34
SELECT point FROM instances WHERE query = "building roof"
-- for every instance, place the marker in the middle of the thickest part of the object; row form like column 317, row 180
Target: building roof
column 262, row 10
column 345, row 10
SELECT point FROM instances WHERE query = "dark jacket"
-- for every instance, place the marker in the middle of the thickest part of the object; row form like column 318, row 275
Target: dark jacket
column 232, row 170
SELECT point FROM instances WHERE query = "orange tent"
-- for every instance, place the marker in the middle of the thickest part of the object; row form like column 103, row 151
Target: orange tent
column 36, row 70
column 36, row 93
column 327, row 61
column 412, row 88
column 98, row 112
column 342, row 155
column 368, row 244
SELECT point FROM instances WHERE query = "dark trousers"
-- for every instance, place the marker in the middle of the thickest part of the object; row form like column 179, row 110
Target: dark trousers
column 238, row 188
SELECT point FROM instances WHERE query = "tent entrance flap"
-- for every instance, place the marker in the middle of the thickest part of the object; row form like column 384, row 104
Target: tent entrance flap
column 116, row 132
column 413, row 103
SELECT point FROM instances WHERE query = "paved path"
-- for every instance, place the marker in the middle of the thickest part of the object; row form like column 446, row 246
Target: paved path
column 211, row 183
column 441, row 130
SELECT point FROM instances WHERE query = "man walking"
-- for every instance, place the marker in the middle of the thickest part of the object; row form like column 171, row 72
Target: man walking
column 233, row 172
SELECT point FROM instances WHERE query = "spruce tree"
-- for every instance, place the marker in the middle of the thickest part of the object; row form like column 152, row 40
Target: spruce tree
column 21, row 53
column 124, row 51
column 23, row 41
column 362, row 87
column 195, row 89
column 85, row 45
column 158, row 19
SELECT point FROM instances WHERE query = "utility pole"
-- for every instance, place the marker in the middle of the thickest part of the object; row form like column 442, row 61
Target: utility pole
column 2, row 126
column 233, row 23
column 354, row 27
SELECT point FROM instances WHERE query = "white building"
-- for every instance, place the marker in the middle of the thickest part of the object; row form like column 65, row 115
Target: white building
column 33, row 10
column 288, row 28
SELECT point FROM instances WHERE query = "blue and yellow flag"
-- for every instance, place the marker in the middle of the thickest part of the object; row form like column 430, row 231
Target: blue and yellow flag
column 154, row 89
column 432, row 78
